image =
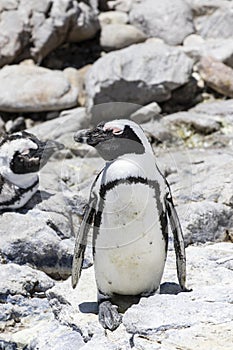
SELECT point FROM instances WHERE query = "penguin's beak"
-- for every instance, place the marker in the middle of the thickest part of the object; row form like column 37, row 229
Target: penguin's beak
column 46, row 150
column 92, row 137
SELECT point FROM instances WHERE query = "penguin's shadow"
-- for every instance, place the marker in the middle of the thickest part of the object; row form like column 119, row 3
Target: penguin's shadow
column 124, row 302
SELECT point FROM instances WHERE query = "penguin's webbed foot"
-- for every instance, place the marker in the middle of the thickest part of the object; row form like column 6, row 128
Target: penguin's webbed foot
column 109, row 317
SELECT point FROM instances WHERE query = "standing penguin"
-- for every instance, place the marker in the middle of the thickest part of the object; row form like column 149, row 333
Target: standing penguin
column 21, row 157
column 129, row 203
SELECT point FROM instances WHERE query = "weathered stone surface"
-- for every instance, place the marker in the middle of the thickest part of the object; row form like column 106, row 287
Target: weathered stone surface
column 115, row 77
column 86, row 24
column 118, row 36
column 206, row 7
column 168, row 20
column 160, row 316
column 146, row 113
column 29, row 30
column 113, row 17
column 22, row 280
column 39, row 239
column 221, row 49
column 205, row 221
column 69, row 122
column 28, row 88
column 121, row 5
column 217, row 25
column 193, row 120
column 62, row 338
column 217, row 75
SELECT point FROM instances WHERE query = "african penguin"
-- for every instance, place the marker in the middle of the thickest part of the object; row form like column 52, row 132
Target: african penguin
column 21, row 157
column 130, row 202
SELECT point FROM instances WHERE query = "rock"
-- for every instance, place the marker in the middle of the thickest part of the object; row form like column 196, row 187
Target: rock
column 86, row 24
column 29, row 30
column 150, row 320
column 146, row 113
column 39, row 239
column 220, row 49
column 159, row 318
column 115, row 77
column 205, row 221
column 206, row 7
column 8, row 345
column 195, row 121
column 121, row 5
column 217, row 25
column 63, row 338
column 2, row 126
column 113, row 17
column 184, row 97
column 22, row 280
column 11, row 29
column 16, row 125
column 217, row 75
column 168, row 20
column 28, row 88
column 69, row 122
column 118, row 36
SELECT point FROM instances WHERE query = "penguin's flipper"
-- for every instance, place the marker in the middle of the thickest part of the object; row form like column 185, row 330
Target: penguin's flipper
column 81, row 241
column 109, row 317
column 178, row 240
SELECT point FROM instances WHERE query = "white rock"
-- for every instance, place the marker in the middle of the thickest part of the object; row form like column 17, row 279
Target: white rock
column 168, row 20
column 113, row 17
column 28, row 88
column 146, row 113
column 217, row 25
column 118, row 36
column 221, row 49
column 116, row 77
column 35, row 29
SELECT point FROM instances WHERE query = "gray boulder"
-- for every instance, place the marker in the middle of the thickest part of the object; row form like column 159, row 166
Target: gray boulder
column 116, row 77
column 22, row 280
column 221, row 49
column 34, row 30
column 40, row 239
column 217, row 25
column 168, row 20
column 205, row 222
column 68, row 122
column 63, row 338
column 29, row 88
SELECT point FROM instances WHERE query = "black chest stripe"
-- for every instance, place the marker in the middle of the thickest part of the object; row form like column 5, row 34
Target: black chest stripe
column 132, row 180
column 1, row 183
column 18, row 193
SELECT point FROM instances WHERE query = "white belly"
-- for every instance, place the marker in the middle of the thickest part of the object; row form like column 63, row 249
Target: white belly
column 130, row 248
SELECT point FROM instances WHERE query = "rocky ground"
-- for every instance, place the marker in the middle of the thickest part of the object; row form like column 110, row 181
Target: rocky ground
column 167, row 65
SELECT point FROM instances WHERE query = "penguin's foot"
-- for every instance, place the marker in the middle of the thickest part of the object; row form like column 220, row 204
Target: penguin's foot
column 109, row 317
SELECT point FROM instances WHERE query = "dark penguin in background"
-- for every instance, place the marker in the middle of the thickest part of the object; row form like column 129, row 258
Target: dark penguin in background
column 130, row 202
column 21, row 157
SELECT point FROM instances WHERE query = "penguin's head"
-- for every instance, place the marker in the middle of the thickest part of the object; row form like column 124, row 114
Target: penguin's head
column 115, row 138
column 23, row 153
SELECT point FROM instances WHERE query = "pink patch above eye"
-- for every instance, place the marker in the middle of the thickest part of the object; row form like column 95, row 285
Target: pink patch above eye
column 25, row 152
column 114, row 130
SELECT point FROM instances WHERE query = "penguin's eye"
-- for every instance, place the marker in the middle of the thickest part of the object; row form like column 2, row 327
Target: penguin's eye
column 117, row 131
